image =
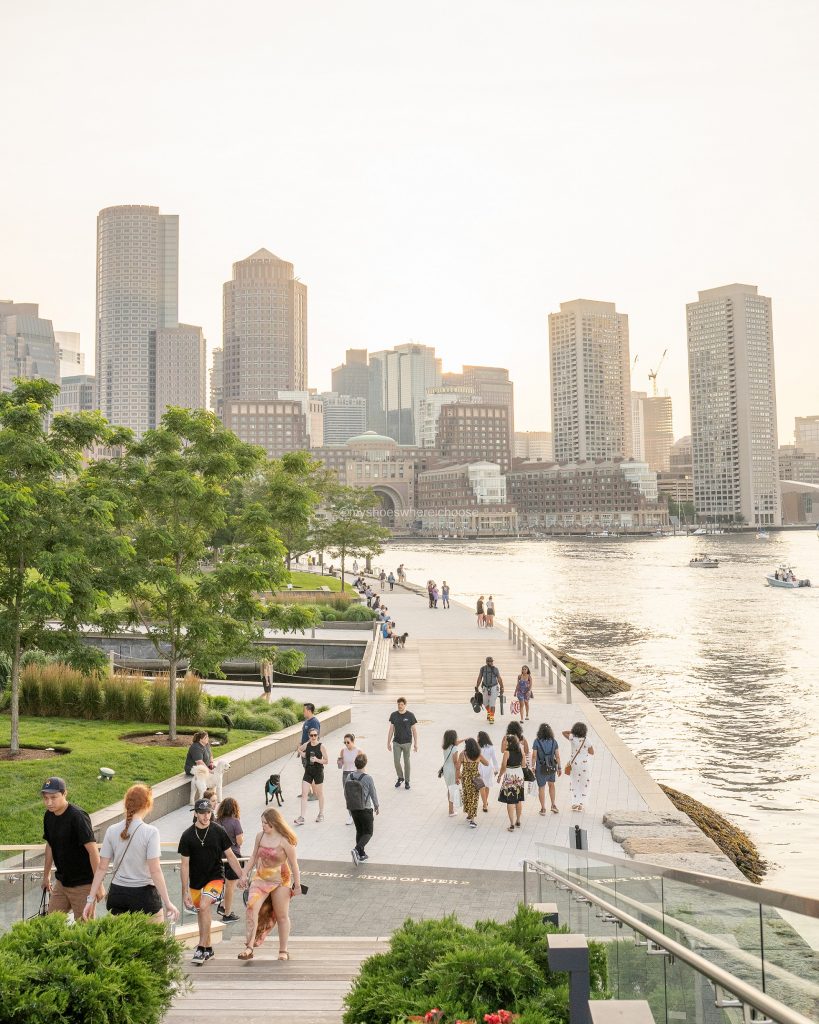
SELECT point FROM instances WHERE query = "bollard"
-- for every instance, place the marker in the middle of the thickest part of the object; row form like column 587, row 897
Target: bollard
column 570, row 953
column 620, row 1011
column 549, row 912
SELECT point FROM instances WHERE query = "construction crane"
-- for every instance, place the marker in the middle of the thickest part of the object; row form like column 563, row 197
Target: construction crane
column 652, row 374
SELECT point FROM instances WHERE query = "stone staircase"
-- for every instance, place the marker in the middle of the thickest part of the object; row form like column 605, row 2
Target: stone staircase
column 309, row 989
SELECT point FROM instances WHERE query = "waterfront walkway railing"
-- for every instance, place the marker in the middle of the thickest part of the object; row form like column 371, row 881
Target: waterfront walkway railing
column 541, row 658
column 701, row 943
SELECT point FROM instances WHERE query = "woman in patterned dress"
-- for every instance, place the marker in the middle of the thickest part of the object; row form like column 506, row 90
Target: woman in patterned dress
column 511, row 781
column 580, row 771
column 469, row 763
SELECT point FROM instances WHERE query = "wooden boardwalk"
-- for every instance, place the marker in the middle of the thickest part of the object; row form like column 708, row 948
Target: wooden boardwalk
column 309, row 989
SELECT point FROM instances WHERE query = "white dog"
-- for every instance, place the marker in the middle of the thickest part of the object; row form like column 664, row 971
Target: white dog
column 203, row 778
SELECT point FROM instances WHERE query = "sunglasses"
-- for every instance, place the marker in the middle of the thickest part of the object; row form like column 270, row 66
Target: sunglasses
column 312, row 734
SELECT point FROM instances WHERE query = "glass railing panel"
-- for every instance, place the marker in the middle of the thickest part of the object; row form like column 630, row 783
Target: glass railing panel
column 722, row 928
column 790, row 952
column 690, row 997
column 635, row 975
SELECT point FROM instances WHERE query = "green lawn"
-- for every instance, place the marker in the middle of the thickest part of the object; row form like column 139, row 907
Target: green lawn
column 312, row 581
column 92, row 744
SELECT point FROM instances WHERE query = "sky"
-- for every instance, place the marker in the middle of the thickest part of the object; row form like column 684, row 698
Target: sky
column 446, row 173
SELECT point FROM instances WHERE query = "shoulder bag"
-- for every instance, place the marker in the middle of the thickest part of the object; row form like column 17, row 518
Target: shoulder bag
column 568, row 769
column 441, row 769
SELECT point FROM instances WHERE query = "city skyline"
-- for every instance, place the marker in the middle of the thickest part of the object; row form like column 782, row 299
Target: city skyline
column 452, row 206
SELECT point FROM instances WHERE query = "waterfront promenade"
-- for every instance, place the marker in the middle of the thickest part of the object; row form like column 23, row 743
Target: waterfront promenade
column 422, row 862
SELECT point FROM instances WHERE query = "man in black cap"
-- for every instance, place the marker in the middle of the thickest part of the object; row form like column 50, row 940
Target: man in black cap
column 71, row 847
column 202, row 847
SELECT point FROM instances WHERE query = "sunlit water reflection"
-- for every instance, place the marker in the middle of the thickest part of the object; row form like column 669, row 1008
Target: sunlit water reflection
column 724, row 668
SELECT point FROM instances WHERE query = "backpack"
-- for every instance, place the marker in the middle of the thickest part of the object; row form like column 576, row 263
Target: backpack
column 547, row 762
column 354, row 794
column 489, row 676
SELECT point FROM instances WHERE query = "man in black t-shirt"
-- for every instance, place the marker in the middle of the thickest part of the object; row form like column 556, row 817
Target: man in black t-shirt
column 71, row 847
column 202, row 847
column 401, row 735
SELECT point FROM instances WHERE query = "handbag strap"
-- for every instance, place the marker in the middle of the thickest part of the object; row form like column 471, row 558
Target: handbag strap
column 577, row 752
column 447, row 758
column 122, row 857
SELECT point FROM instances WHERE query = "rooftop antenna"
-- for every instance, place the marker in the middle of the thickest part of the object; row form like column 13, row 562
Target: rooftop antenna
column 652, row 374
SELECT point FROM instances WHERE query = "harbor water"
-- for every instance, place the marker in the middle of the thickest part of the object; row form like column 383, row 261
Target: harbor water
column 724, row 669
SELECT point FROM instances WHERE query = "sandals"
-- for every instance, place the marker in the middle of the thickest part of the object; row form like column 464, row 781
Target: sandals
column 283, row 954
column 555, row 810
column 485, row 810
column 298, row 821
column 246, row 955
column 543, row 811
column 319, row 818
column 511, row 828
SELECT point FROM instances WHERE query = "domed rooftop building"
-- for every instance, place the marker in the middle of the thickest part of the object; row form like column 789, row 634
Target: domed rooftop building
column 372, row 446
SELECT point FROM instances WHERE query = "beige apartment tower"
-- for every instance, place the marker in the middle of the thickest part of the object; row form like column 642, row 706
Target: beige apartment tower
column 137, row 293
column 591, row 382
column 181, row 368
column 265, row 330
column 732, row 388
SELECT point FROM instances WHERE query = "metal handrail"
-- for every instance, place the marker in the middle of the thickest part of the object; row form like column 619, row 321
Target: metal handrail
column 549, row 663
column 780, row 899
column 746, row 994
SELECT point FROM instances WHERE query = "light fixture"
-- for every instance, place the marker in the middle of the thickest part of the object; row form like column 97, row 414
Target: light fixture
column 106, row 774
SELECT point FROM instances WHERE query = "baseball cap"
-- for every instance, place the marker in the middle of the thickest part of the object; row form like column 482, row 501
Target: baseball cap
column 202, row 806
column 53, row 785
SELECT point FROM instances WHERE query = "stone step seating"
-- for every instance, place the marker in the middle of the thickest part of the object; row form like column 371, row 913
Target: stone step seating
column 309, row 988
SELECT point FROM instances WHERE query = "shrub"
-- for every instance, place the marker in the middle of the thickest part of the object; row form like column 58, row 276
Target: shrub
column 214, row 720
column 327, row 612
column 360, row 613
column 288, row 717
column 217, row 703
column 29, row 692
column 189, row 702
column 114, row 698
column 92, row 698
column 159, row 700
column 69, row 684
column 134, row 703
column 135, row 970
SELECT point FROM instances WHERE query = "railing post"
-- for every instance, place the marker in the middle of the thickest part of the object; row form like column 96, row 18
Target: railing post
column 509, row 629
column 568, row 686
column 525, row 872
column 571, row 953
column 559, row 676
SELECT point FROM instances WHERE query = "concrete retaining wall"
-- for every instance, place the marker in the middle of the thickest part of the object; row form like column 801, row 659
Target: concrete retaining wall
column 174, row 792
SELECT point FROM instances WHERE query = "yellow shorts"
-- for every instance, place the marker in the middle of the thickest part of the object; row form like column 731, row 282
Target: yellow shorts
column 212, row 891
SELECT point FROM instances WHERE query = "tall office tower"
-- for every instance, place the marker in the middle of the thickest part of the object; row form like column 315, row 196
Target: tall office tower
column 732, row 385
column 77, row 394
column 658, row 432
column 638, row 425
column 534, row 445
column 591, row 381
column 27, row 344
column 806, row 433
column 345, row 416
column 352, row 378
column 399, row 380
column 72, row 357
column 217, row 382
column 181, row 368
column 265, row 330
column 137, row 293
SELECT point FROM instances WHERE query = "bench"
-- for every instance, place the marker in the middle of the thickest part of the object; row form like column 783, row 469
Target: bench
column 382, row 659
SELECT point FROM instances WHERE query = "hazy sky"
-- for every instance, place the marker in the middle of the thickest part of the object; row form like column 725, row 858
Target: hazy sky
column 441, row 172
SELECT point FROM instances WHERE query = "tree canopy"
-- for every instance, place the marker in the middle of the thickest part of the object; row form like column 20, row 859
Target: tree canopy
column 349, row 529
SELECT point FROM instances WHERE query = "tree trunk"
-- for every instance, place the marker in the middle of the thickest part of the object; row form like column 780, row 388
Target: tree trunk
column 342, row 572
column 14, row 745
column 172, row 667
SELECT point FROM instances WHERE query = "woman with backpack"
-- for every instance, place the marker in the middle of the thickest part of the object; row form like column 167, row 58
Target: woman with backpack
column 362, row 803
column 346, row 762
column 546, row 765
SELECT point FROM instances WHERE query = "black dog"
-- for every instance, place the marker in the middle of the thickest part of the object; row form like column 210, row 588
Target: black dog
column 273, row 790
column 399, row 641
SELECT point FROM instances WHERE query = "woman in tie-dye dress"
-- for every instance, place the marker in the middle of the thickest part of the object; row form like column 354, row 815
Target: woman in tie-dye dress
column 580, row 761
column 275, row 883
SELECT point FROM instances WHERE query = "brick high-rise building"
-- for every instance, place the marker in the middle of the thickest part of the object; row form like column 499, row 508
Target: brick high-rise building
column 474, row 433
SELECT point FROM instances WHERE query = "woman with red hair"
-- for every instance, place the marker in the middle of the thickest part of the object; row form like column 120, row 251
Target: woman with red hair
column 137, row 884
column 275, row 883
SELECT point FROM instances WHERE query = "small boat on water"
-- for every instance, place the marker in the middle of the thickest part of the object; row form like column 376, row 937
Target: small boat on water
column 786, row 577
column 762, row 535
column 703, row 561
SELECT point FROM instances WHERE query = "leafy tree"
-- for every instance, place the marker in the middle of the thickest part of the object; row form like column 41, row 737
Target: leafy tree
column 350, row 529
column 56, row 541
column 292, row 488
column 177, row 488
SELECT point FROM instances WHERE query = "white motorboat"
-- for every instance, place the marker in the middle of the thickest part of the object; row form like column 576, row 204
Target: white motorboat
column 762, row 535
column 703, row 561
column 786, row 577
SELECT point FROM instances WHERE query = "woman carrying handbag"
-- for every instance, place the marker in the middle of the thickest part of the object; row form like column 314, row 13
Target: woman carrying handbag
column 579, row 767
